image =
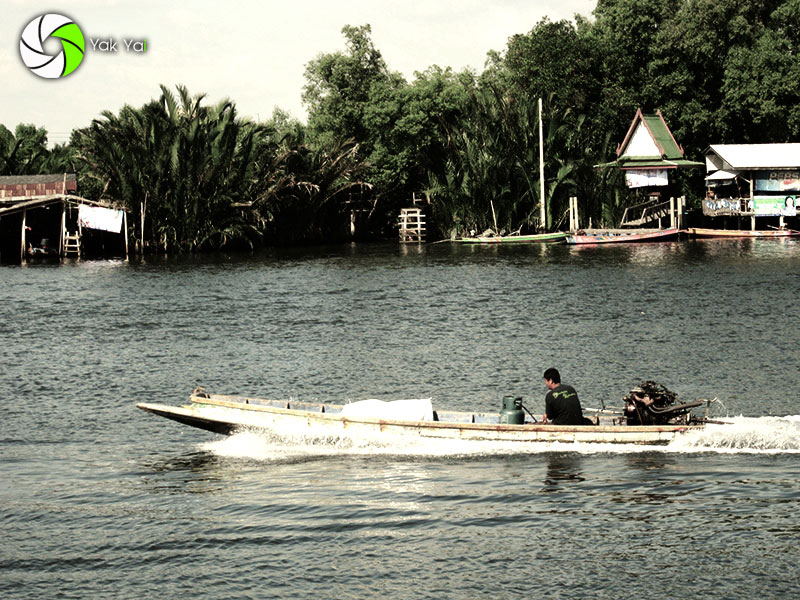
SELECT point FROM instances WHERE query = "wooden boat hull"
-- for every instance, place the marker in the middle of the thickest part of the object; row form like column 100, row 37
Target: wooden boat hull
column 516, row 239
column 229, row 414
column 735, row 233
column 623, row 237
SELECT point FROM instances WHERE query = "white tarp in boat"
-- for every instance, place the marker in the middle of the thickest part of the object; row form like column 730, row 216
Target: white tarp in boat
column 395, row 410
column 97, row 217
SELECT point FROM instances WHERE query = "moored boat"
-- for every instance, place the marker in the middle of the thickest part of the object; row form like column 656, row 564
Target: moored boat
column 557, row 236
column 620, row 236
column 226, row 414
column 701, row 232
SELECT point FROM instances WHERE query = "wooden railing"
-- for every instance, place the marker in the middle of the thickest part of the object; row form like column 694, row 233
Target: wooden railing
column 645, row 212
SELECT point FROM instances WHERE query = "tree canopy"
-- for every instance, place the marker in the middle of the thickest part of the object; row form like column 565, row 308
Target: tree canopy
column 720, row 71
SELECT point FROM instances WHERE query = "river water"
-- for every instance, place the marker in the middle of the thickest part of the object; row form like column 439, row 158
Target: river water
column 101, row 500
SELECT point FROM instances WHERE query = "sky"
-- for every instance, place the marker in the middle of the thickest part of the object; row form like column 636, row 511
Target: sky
column 253, row 52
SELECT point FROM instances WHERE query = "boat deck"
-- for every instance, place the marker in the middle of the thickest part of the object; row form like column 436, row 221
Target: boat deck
column 443, row 416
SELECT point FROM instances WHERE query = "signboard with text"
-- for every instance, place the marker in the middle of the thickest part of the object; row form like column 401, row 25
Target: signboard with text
column 777, row 181
column 775, row 206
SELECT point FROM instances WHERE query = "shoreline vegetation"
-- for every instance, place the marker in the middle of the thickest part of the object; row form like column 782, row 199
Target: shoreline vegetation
column 194, row 175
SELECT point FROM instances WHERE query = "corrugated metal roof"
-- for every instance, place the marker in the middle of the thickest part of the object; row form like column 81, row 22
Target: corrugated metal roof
column 23, row 179
column 741, row 157
column 38, row 202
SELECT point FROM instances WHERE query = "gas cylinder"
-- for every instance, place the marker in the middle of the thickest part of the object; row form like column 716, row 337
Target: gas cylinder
column 512, row 411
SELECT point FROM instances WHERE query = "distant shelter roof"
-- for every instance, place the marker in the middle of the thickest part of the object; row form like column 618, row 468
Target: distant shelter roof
column 750, row 157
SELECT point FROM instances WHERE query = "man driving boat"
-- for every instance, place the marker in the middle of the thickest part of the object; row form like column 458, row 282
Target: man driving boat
column 561, row 404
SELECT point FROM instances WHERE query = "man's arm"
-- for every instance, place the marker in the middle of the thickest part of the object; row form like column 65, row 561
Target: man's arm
column 547, row 400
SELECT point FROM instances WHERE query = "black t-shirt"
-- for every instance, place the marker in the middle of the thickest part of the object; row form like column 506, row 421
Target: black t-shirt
column 562, row 407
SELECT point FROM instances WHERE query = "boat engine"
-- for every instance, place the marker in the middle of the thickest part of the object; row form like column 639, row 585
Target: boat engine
column 653, row 404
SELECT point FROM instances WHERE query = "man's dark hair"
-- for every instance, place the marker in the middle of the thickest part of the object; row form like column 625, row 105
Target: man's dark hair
column 553, row 375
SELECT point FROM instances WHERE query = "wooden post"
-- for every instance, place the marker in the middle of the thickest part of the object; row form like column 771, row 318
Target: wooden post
column 571, row 217
column 143, row 205
column 573, row 225
column 494, row 218
column 22, row 244
column 63, row 228
column 672, row 219
column 125, row 230
column 577, row 214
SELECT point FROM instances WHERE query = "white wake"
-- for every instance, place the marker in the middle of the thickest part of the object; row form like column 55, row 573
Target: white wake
column 744, row 435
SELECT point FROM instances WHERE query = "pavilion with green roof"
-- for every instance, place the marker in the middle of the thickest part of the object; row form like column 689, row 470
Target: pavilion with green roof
column 649, row 146
column 646, row 156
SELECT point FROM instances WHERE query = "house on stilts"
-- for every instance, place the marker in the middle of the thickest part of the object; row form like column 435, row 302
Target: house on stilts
column 752, row 186
column 41, row 216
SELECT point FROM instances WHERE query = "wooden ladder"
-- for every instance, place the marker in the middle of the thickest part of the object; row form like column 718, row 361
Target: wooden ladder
column 72, row 244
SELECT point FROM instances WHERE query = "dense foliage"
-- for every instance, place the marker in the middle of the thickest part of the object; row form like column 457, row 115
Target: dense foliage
column 195, row 176
column 25, row 152
column 198, row 176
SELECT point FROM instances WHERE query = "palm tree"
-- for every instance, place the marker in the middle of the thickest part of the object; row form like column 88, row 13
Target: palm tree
column 492, row 171
column 326, row 185
column 196, row 176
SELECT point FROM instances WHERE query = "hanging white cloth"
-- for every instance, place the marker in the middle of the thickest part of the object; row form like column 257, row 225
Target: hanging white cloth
column 97, row 217
column 646, row 177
